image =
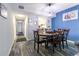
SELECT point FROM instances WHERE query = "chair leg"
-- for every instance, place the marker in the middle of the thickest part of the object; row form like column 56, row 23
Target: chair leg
column 34, row 45
column 53, row 48
column 60, row 45
column 45, row 44
column 66, row 43
column 37, row 47
column 63, row 44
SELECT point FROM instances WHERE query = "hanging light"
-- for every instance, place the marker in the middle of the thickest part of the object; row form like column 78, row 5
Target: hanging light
column 50, row 4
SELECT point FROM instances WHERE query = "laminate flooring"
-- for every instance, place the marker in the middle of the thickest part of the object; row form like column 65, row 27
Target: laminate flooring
column 26, row 48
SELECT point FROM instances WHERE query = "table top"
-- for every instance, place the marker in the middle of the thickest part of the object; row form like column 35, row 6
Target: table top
column 47, row 34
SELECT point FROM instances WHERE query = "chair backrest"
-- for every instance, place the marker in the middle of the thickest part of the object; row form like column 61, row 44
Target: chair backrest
column 36, row 36
column 60, row 34
column 55, row 36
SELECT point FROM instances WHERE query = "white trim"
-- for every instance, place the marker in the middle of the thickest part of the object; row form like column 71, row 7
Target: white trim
column 11, row 46
column 73, row 43
column 69, row 41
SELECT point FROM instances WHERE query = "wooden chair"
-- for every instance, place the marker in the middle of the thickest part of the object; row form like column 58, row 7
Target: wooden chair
column 56, row 41
column 65, row 37
column 38, row 41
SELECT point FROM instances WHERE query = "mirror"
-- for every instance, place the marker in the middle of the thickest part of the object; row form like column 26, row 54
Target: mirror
column 3, row 11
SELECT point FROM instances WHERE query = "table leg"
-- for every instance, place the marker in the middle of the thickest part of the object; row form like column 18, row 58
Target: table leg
column 37, row 47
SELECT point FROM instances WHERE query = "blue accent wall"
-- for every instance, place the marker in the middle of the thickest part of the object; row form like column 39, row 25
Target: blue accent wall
column 73, row 25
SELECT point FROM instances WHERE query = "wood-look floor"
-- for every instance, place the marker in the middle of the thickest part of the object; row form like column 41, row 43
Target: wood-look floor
column 27, row 49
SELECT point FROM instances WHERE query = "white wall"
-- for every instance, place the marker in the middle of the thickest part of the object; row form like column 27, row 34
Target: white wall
column 6, row 34
column 26, row 27
column 48, row 23
column 42, row 20
column 32, row 25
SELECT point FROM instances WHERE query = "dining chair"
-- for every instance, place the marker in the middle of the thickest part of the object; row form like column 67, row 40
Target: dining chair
column 65, row 38
column 56, row 41
column 61, row 36
column 37, row 40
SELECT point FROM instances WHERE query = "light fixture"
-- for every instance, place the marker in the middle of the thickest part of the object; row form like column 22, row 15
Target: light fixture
column 50, row 4
column 20, row 16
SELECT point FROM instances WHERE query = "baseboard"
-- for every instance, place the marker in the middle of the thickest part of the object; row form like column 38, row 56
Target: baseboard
column 11, row 46
column 72, row 42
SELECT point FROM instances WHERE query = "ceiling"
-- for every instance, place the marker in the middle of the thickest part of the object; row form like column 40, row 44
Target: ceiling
column 41, row 8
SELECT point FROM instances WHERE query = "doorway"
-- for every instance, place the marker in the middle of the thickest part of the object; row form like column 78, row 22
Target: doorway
column 20, row 27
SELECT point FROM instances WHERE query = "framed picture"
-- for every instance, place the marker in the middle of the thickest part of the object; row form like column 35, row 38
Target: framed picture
column 3, row 11
column 72, row 15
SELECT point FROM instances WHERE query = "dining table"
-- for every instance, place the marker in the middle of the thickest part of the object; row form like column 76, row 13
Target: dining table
column 53, row 37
